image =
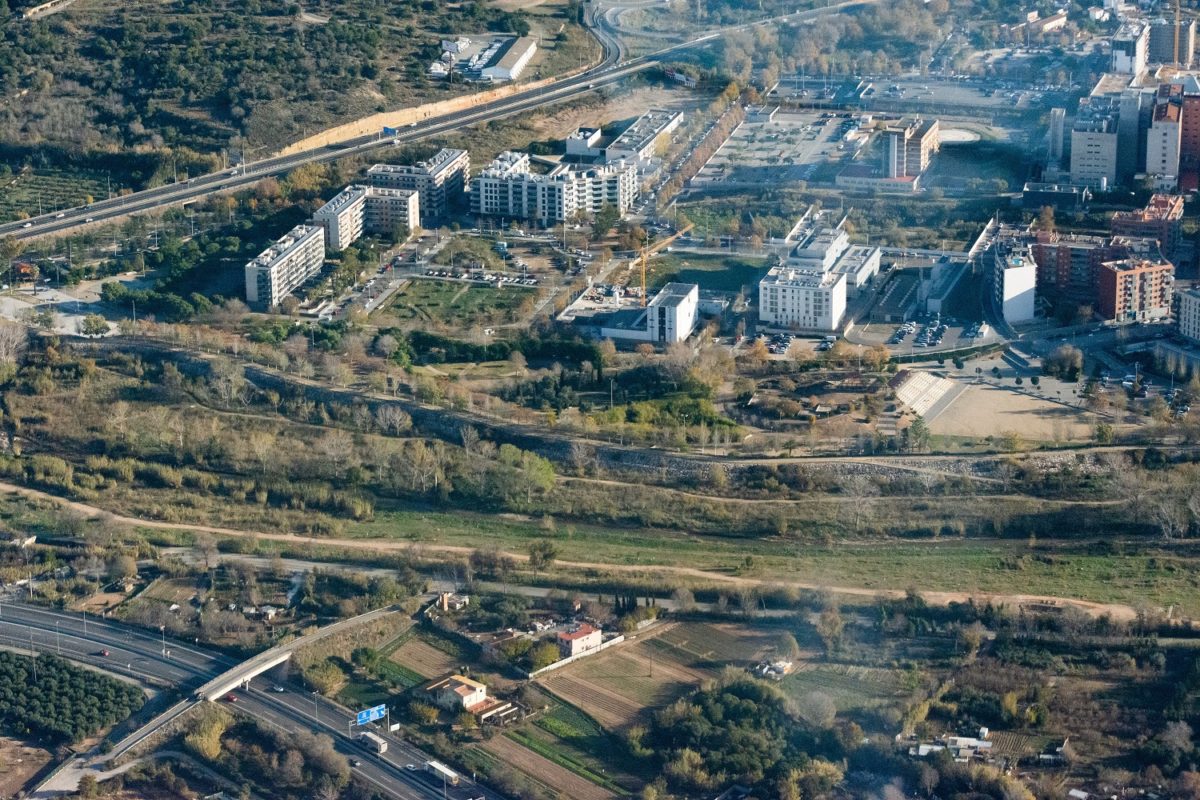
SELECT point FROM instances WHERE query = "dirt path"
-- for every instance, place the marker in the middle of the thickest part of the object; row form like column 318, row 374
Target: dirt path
column 1115, row 610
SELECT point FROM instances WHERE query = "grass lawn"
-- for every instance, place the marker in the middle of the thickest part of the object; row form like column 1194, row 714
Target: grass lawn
column 459, row 305
column 717, row 273
column 850, row 688
column 1149, row 575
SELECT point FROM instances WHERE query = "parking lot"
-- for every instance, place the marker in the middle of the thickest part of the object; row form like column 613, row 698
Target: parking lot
column 791, row 147
column 926, row 333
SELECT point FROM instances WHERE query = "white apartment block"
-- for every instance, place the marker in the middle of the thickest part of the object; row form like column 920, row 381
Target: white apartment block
column 818, row 244
column 367, row 209
column 1189, row 314
column 285, row 265
column 1014, row 281
column 509, row 188
column 342, row 217
column 440, row 181
column 802, row 299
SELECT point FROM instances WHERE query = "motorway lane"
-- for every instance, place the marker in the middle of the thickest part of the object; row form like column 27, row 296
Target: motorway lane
column 140, row 654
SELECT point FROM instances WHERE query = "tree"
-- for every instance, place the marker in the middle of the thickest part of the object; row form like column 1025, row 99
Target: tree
column 606, row 219
column 1065, row 363
column 122, row 567
column 1045, row 220
column 423, row 713
column 542, row 656
column 94, row 325
column 542, row 553
column 918, row 434
column 786, row 647
column 14, row 341
column 829, row 628
column 817, row 709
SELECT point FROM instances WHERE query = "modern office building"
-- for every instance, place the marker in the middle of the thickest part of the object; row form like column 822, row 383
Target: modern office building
column 1130, row 47
column 803, row 300
column 819, row 242
column 511, row 60
column 509, row 187
column 908, row 149
column 1135, row 290
column 1059, row 196
column 1094, row 144
column 440, row 181
column 1165, row 135
column 284, row 266
column 1014, row 280
column 367, row 209
column 669, row 317
column 1161, row 44
column 1161, row 219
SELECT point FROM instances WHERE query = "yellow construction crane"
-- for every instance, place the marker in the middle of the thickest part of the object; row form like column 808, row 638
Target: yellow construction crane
column 643, row 276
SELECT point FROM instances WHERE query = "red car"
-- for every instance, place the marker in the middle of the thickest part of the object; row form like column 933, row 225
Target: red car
column 104, row 653
column 231, row 698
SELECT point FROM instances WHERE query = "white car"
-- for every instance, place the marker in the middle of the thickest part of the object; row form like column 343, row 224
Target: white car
column 27, row 225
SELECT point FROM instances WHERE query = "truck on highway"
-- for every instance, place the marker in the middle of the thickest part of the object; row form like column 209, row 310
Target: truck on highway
column 376, row 743
column 442, row 772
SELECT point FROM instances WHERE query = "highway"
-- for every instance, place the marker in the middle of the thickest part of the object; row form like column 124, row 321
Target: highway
column 142, row 656
column 610, row 70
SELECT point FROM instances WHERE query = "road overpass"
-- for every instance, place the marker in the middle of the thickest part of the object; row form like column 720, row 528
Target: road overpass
column 153, row 659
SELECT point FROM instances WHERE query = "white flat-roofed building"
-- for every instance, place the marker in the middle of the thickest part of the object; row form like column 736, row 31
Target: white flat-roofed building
column 640, row 140
column 1014, row 280
column 816, row 243
column 367, row 209
column 1094, row 145
column 1189, row 314
column 802, row 299
column 342, row 217
column 668, row 318
column 1130, row 48
column 511, row 61
column 385, row 210
column 509, row 188
column 284, row 266
column 440, row 181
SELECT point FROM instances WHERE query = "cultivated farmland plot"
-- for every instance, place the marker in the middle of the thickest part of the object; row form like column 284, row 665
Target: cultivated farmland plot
column 424, row 659
column 565, row 783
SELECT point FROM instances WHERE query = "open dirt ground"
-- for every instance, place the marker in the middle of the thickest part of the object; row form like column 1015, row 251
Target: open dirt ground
column 567, row 783
column 993, row 411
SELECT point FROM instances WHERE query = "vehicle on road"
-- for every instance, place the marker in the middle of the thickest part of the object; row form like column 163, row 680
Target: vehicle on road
column 231, row 698
column 376, row 743
column 278, row 689
column 60, row 215
column 90, row 219
column 103, row 653
column 443, row 772
column 354, row 762
column 27, row 225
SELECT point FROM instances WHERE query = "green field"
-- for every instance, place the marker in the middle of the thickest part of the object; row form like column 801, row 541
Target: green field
column 850, row 688
column 43, row 191
column 1150, row 574
column 712, row 272
column 451, row 304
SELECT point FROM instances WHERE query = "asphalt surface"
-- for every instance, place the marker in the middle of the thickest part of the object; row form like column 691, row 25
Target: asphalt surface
column 142, row 656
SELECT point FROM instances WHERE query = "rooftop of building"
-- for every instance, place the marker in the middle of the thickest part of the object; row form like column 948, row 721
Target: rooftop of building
column 1130, row 29
column 578, row 632
column 1137, row 265
column 1111, row 84
column 645, row 129
column 1160, row 207
column 440, row 161
column 514, row 52
column 387, row 191
column 783, row 275
column 294, row 238
column 1168, row 112
column 673, row 294
column 341, row 200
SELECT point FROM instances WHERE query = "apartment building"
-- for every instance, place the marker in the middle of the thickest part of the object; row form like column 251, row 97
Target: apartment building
column 342, row 217
column 1188, row 320
column 800, row 299
column 1069, row 264
column 509, row 187
column 819, row 242
column 1161, row 44
column 440, row 182
column 1161, row 220
column 367, row 209
column 1014, row 280
column 284, row 266
column 1135, row 290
